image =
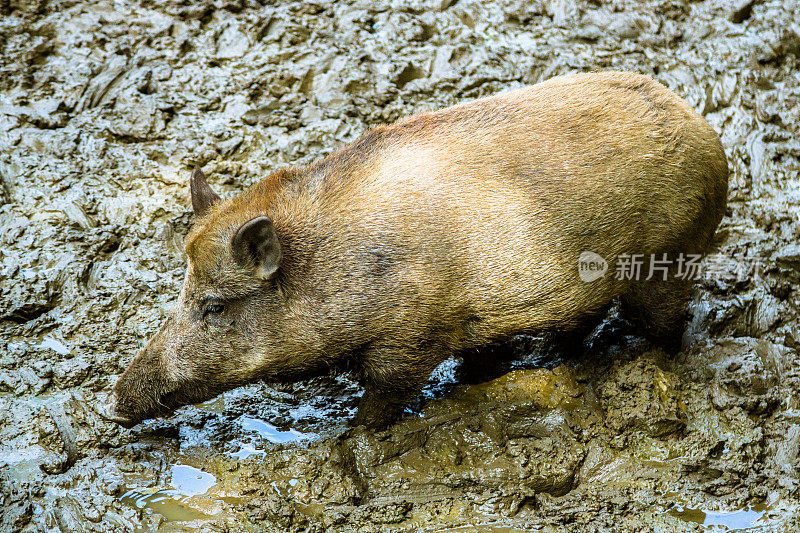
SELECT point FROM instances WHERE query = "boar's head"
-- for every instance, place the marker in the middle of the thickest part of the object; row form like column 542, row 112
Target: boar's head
column 222, row 331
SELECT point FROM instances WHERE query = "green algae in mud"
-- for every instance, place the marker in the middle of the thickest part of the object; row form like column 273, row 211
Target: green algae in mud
column 547, row 389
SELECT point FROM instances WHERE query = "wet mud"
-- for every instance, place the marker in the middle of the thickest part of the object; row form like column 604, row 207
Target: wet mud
column 106, row 106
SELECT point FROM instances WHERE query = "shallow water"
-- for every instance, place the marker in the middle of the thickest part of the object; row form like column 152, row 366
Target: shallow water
column 733, row 520
column 272, row 433
column 189, row 495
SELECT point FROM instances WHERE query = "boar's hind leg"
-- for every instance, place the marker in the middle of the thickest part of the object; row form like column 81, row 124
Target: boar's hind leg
column 658, row 308
column 391, row 380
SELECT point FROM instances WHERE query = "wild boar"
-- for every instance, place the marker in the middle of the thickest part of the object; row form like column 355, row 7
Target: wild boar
column 439, row 234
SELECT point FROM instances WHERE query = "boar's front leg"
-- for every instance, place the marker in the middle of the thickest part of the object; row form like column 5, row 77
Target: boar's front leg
column 391, row 379
column 378, row 408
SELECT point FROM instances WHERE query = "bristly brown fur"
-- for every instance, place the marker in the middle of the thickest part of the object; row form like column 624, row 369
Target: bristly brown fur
column 439, row 234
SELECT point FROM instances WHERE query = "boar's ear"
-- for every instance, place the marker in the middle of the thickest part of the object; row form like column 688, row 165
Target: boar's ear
column 202, row 195
column 256, row 245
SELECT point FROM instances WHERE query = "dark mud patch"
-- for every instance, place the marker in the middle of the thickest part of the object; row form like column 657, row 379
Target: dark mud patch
column 106, row 106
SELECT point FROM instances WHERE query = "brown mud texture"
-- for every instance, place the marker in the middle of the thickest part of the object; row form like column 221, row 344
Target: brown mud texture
column 105, row 106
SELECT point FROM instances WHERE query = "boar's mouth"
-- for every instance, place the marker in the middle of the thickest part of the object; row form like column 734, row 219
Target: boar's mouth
column 119, row 409
column 168, row 402
column 164, row 405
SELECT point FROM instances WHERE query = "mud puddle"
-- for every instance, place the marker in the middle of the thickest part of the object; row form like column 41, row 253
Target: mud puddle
column 733, row 520
column 186, row 493
column 185, row 499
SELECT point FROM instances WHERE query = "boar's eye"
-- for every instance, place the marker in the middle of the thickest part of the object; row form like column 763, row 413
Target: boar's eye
column 213, row 308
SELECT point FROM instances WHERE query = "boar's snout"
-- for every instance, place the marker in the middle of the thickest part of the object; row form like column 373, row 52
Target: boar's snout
column 143, row 391
column 109, row 412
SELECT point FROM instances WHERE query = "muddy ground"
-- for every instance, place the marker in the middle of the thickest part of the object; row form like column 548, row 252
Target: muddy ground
column 106, row 106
